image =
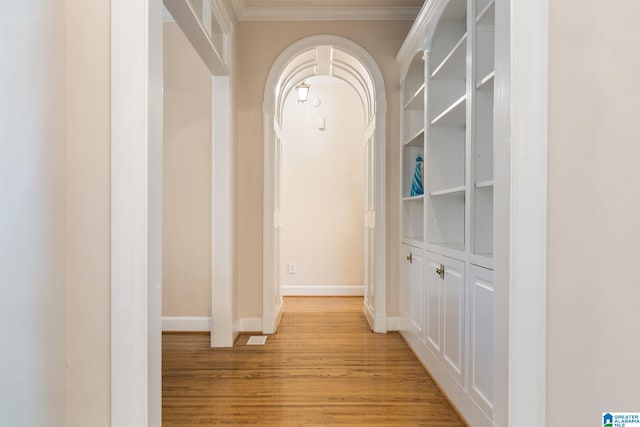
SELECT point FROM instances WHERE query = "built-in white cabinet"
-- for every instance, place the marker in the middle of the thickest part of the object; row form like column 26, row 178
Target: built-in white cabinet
column 481, row 337
column 434, row 292
column 445, row 284
column 412, row 298
column 447, row 139
column 412, row 220
column 447, row 101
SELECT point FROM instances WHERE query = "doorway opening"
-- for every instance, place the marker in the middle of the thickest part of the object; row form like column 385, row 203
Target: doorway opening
column 339, row 58
column 322, row 250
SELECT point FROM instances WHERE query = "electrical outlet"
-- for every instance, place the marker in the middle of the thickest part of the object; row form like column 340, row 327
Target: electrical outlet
column 292, row 268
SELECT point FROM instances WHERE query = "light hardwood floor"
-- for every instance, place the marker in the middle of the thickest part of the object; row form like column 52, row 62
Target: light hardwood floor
column 324, row 367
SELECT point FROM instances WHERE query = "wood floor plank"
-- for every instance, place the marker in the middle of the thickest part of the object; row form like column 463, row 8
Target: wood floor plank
column 324, row 367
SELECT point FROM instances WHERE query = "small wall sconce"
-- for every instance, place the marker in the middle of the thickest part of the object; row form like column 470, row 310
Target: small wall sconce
column 303, row 91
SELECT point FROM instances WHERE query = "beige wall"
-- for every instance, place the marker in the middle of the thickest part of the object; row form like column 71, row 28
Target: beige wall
column 88, row 213
column 255, row 55
column 33, row 218
column 323, row 187
column 594, row 210
column 187, row 179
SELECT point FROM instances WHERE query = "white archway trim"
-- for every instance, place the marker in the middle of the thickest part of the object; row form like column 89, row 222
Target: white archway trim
column 272, row 301
column 308, row 43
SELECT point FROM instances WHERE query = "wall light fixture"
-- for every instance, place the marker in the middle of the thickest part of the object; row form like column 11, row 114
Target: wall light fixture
column 303, row 91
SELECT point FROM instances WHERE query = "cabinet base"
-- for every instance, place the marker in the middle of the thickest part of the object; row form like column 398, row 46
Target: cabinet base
column 460, row 400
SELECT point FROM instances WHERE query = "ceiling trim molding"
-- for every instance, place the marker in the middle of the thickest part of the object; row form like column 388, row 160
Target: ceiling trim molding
column 224, row 16
column 323, row 13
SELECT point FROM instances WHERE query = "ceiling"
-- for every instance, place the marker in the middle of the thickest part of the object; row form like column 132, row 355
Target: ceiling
column 308, row 10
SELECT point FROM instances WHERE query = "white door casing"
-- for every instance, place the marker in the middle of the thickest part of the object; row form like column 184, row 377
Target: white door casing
column 136, row 212
column 356, row 66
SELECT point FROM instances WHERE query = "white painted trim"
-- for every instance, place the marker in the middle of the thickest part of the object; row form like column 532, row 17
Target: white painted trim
column 528, row 236
column 269, row 260
column 380, row 206
column 250, row 324
column 501, row 211
column 223, row 16
column 377, row 323
column 186, row 324
column 194, row 30
column 245, row 12
column 450, row 387
column 136, row 212
column 415, row 41
column 329, row 291
column 393, row 324
column 223, row 296
column 378, row 312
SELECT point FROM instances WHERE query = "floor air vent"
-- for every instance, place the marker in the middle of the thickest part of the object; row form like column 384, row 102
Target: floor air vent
column 257, row 340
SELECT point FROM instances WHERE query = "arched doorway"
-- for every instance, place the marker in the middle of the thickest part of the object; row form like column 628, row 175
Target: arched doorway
column 341, row 58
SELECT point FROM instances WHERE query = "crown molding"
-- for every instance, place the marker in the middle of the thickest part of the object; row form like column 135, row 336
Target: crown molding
column 225, row 17
column 323, row 13
column 414, row 41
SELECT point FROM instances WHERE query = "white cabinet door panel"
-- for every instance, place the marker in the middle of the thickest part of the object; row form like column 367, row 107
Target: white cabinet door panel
column 433, row 304
column 453, row 318
column 417, row 292
column 405, row 286
column 412, row 290
column 481, row 357
column 445, row 312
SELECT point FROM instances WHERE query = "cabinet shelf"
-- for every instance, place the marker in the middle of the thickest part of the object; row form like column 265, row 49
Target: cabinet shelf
column 487, row 16
column 415, row 241
column 417, row 140
column 452, row 249
column 454, row 115
column 484, row 184
column 484, row 260
column 416, row 101
column 449, row 191
column 486, row 83
column 453, row 66
column 409, row 154
column 485, row 255
column 412, row 209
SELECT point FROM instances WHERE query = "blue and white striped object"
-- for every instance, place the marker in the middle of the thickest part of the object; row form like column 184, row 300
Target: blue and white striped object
column 416, row 185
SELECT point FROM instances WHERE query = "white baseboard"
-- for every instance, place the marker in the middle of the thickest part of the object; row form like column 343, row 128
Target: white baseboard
column 250, row 324
column 203, row 324
column 393, row 324
column 186, row 324
column 322, row 291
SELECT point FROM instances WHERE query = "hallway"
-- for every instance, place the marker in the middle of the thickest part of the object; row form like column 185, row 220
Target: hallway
column 323, row 367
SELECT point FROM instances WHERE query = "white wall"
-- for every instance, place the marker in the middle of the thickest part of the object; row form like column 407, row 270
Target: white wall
column 88, row 192
column 593, row 338
column 186, row 253
column 323, row 190
column 33, row 222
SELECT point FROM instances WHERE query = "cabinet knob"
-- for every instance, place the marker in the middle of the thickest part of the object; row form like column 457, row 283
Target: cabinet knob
column 440, row 271
column 410, row 257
